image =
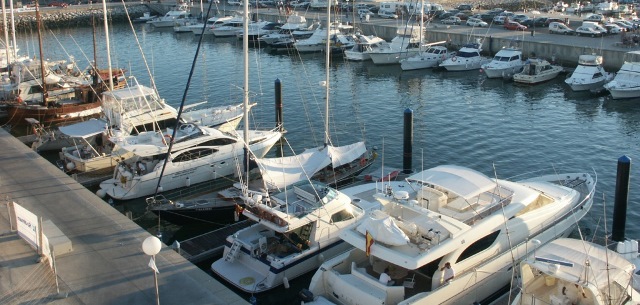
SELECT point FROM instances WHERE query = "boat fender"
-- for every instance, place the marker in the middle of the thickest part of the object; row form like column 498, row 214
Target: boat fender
column 188, row 182
column 285, row 281
column 71, row 166
column 101, row 193
column 321, row 258
column 455, row 58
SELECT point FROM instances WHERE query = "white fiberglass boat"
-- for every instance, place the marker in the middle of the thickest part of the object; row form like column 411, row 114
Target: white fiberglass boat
column 452, row 215
column 295, row 231
column 407, row 43
column 626, row 83
column 505, row 64
column 537, row 71
column 317, row 41
column 198, row 154
column 430, row 58
column 176, row 14
column 467, row 58
column 364, row 45
column 589, row 74
column 571, row 271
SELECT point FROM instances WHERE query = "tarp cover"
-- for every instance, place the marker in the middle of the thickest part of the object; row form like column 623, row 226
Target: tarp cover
column 84, row 129
column 383, row 229
column 461, row 180
column 280, row 172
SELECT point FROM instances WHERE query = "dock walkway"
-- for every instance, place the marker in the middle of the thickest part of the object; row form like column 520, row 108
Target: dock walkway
column 106, row 265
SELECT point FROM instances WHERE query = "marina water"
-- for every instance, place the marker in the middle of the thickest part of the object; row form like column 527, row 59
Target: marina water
column 493, row 126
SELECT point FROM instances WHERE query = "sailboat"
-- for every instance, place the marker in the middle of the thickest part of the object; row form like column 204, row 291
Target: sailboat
column 294, row 230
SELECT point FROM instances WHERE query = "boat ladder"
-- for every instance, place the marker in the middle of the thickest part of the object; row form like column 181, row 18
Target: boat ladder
column 233, row 252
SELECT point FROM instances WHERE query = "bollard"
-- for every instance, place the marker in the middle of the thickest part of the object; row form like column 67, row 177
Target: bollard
column 622, row 194
column 407, row 141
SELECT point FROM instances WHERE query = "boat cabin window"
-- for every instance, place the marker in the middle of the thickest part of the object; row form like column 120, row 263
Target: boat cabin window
column 342, row 216
column 193, row 154
column 218, row 142
column 515, row 57
column 35, row 89
column 150, row 126
column 597, row 75
column 479, row 246
column 468, row 54
column 256, row 141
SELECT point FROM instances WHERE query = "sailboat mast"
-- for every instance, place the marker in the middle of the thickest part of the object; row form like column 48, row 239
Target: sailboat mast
column 245, row 85
column 6, row 33
column 13, row 31
column 327, row 58
column 42, row 71
column 106, row 36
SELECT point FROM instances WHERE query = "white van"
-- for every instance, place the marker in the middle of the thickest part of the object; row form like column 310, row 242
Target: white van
column 594, row 25
column 560, row 28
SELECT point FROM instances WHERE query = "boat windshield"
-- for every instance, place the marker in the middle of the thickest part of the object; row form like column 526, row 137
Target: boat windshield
column 468, row 54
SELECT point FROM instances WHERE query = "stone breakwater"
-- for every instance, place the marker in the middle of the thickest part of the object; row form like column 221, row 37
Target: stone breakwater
column 73, row 17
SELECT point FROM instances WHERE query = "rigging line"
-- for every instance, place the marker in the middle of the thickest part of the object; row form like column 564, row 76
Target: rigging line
column 506, row 225
column 606, row 246
column 144, row 58
column 91, row 63
column 184, row 97
column 64, row 50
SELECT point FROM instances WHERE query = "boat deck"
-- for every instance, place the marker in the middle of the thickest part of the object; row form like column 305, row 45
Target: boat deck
column 202, row 247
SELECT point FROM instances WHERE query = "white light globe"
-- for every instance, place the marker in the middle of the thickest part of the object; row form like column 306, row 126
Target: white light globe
column 151, row 245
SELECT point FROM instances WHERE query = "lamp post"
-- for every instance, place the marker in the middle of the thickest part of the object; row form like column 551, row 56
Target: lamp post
column 151, row 246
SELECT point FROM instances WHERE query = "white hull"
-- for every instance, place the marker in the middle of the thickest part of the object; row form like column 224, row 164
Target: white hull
column 89, row 163
column 587, row 87
column 356, row 56
column 302, row 48
column 413, row 63
column 163, row 23
column 535, row 79
column 502, row 72
column 624, row 92
column 391, row 58
column 463, row 64
column 226, row 32
column 181, row 175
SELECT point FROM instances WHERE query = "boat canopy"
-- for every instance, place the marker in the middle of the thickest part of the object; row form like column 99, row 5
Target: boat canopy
column 590, row 60
column 463, row 181
column 84, row 129
column 383, row 229
column 603, row 267
column 280, row 172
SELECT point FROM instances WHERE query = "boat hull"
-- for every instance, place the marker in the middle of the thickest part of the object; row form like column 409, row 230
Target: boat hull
column 413, row 63
column 16, row 114
column 534, row 79
column 391, row 58
column 501, row 72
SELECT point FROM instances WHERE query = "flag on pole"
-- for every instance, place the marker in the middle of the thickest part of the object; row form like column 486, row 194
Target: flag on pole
column 152, row 265
column 370, row 242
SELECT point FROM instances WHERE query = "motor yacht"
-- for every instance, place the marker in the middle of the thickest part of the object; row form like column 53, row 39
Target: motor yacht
column 589, row 74
column 536, row 71
column 453, row 215
column 364, row 45
column 506, row 63
column 430, row 58
column 626, row 83
column 406, row 43
column 467, row 58
column 176, row 14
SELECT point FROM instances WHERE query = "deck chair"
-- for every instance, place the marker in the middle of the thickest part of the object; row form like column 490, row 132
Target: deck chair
column 409, row 282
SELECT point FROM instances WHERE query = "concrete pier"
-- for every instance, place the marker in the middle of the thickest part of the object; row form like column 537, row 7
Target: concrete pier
column 106, row 264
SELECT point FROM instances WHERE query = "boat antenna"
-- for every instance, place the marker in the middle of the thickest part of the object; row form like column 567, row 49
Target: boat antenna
column 6, row 32
column 13, row 31
column 42, row 71
column 184, row 97
column 144, row 58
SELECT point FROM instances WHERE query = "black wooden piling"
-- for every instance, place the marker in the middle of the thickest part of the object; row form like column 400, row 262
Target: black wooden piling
column 622, row 194
column 407, row 142
column 279, row 119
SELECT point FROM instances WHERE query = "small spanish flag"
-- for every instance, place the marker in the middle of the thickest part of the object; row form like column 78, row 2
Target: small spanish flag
column 370, row 242
column 237, row 212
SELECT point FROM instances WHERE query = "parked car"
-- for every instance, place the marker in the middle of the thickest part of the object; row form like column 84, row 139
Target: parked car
column 58, row 4
column 445, row 15
column 540, row 22
column 519, row 18
column 487, row 17
column 550, row 20
column 387, row 15
column 499, row 19
column 560, row 28
column 594, row 17
column 305, row 4
column 528, row 22
column 462, row 16
column 465, row 7
column 588, row 31
column 627, row 26
column 613, row 28
column 452, row 20
column 476, row 22
column 514, row 26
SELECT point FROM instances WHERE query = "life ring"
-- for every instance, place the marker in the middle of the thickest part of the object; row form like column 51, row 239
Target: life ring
column 363, row 161
column 454, row 58
column 166, row 139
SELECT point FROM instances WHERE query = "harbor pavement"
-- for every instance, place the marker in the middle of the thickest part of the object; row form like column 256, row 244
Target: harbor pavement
column 106, row 264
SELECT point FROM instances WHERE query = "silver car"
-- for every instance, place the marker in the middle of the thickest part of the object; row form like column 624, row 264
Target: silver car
column 476, row 22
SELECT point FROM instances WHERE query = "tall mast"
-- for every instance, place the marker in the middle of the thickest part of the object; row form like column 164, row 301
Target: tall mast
column 42, row 71
column 6, row 32
column 326, row 80
column 106, row 35
column 13, row 31
column 245, row 85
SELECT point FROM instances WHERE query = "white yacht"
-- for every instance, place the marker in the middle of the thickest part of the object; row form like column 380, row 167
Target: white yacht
column 176, row 14
column 572, row 271
column 229, row 28
column 198, row 154
column 295, row 231
column 506, row 63
column 453, row 215
column 407, row 43
column 430, row 58
column 467, row 58
column 626, row 83
column 294, row 23
column 317, row 41
column 364, row 45
column 211, row 23
column 536, row 71
column 589, row 74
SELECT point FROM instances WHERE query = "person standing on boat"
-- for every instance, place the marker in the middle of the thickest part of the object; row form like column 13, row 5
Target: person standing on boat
column 449, row 273
column 384, row 277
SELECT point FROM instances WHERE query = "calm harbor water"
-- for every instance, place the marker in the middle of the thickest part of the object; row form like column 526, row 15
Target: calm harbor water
column 492, row 126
